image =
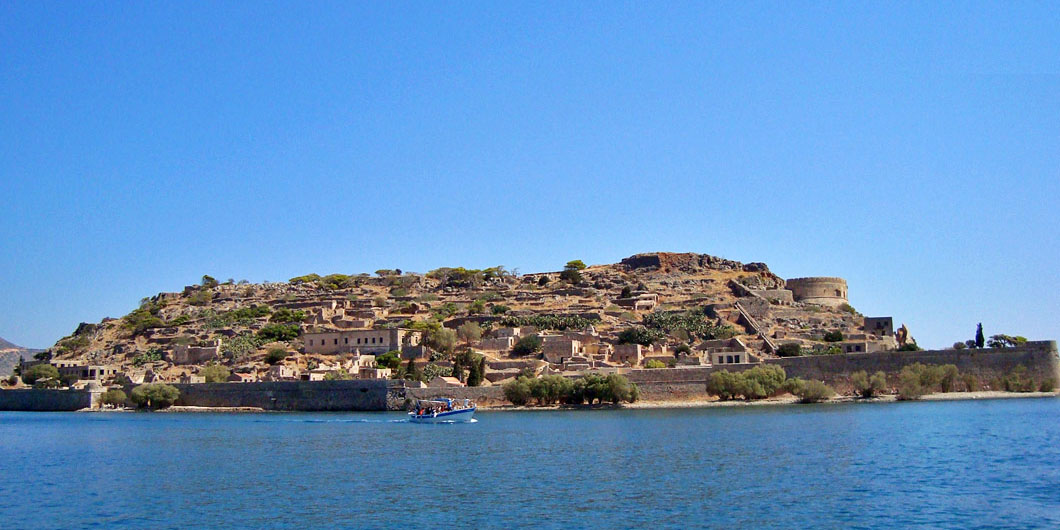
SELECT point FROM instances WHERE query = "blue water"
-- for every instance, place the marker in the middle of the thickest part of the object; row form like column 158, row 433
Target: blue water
column 942, row 465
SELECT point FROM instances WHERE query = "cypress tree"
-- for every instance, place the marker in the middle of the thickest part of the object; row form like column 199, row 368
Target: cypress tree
column 979, row 339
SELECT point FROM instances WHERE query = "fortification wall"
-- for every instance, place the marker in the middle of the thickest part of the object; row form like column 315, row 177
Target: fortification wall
column 482, row 395
column 40, row 400
column 1040, row 359
column 291, row 395
column 818, row 290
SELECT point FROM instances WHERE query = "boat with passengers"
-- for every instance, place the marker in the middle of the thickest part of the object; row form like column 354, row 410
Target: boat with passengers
column 442, row 410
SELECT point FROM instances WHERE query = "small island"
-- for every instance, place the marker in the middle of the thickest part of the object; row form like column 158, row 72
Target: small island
column 656, row 329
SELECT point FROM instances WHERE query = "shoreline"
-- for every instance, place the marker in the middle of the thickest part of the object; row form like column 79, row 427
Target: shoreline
column 690, row 403
column 786, row 400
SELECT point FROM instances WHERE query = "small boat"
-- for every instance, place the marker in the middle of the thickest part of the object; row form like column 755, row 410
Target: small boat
column 441, row 411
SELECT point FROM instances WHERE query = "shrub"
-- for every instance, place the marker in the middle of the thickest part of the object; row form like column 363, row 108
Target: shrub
column 113, row 397
column 790, row 349
column 866, row 386
column 959, row 345
column 500, row 309
column 1048, row 385
column 639, row 335
column 276, row 355
column 626, row 292
column 654, row 363
column 517, row 391
column 971, row 382
column 284, row 315
column 12, row 380
column 215, row 373
column 693, row 324
column 279, row 332
column 948, row 375
column 848, row 308
column 833, row 336
column 155, row 396
column 811, row 391
column 1016, row 380
column 40, row 372
column 761, row 381
column 477, row 307
column 338, row 375
column 526, row 346
column 909, row 346
column 201, row 298
column 683, row 348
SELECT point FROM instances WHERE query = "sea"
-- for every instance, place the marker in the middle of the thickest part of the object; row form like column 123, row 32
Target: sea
column 957, row 464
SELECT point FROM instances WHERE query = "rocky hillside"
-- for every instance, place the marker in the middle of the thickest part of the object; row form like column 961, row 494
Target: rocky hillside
column 678, row 298
column 10, row 354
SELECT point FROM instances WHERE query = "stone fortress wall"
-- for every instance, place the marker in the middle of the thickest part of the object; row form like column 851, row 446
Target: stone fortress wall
column 826, row 291
column 1040, row 359
column 41, row 400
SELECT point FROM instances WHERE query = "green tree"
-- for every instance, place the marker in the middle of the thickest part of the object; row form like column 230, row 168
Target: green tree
column 654, row 363
column 526, row 346
column 789, row 349
column 980, row 341
column 626, row 292
column 113, row 397
column 500, row 309
column 215, row 373
column 37, row 372
column 442, row 339
column 279, row 332
column 1006, row 341
column 833, row 336
column 761, row 381
column 477, row 307
column 208, row 281
column 517, row 391
column 477, row 371
column 725, row 384
column 469, row 332
column 639, row 335
column 572, row 271
column 413, row 372
column 155, row 396
column 390, row 359
column 275, row 355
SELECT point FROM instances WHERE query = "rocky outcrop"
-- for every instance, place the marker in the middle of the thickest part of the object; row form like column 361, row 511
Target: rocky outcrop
column 684, row 262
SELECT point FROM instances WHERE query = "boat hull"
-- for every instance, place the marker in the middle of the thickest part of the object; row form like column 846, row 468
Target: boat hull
column 452, row 416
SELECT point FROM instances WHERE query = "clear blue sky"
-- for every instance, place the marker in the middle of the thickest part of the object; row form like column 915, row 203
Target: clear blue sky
column 912, row 148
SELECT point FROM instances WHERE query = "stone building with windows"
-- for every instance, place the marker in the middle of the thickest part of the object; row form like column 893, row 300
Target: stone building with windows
column 368, row 341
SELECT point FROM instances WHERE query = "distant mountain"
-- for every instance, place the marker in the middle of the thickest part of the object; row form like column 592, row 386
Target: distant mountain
column 10, row 354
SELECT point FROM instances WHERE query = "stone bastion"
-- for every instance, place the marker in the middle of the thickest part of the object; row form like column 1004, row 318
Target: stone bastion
column 825, row 291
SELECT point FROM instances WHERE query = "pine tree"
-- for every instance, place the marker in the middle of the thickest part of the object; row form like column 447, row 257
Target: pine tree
column 979, row 339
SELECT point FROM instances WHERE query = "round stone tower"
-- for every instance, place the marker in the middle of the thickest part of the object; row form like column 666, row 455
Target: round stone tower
column 831, row 292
